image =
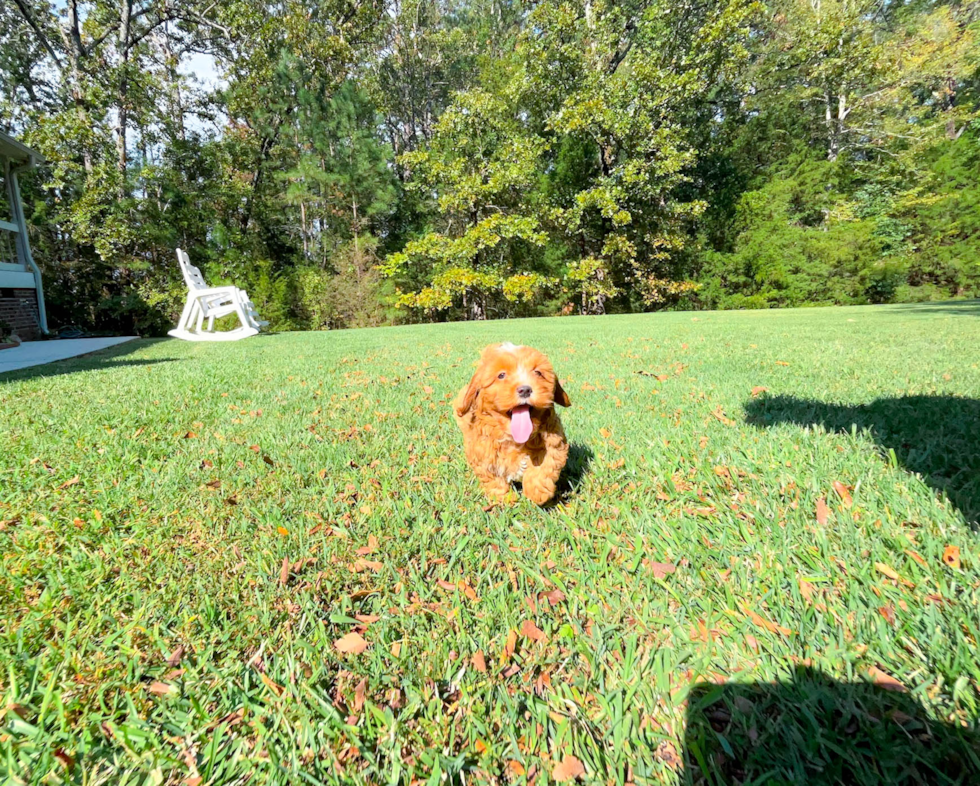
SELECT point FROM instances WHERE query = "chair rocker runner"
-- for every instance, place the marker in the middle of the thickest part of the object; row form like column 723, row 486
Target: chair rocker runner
column 211, row 303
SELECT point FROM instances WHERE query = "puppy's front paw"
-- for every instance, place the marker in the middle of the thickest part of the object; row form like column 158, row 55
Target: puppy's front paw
column 496, row 489
column 539, row 490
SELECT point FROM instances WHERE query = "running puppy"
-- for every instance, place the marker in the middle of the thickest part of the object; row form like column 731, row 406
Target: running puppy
column 511, row 431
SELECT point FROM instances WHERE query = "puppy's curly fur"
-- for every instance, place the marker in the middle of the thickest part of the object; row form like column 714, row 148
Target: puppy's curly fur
column 511, row 385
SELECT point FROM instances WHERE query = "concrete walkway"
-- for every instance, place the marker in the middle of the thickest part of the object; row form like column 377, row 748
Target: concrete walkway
column 37, row 353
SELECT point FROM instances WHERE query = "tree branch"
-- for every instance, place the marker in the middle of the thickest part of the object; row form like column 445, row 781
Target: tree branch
column 38, row 32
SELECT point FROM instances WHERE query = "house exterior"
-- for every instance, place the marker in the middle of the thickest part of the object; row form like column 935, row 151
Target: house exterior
column 21, row 293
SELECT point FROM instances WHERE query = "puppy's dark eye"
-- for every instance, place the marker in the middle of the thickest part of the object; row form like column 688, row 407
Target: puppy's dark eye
column 501, row 375
column 538, row 373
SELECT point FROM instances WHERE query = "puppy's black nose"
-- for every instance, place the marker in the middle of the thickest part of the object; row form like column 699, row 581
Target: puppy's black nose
column 524, row 391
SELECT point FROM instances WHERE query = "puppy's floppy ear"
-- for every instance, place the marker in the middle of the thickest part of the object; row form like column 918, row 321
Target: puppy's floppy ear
column 561, row 397
column 463, row 406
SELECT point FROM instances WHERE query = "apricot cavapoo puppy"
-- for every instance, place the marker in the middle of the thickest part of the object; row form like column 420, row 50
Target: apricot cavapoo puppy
column 510, row 429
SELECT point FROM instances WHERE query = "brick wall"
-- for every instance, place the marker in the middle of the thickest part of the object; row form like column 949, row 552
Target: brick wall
column 18, row 308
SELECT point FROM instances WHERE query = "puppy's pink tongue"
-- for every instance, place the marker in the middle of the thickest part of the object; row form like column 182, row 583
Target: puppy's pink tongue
column 520, row 424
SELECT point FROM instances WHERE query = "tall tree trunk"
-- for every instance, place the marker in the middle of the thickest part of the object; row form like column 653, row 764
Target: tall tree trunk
column 125, row 13
column 357, row 245
column 833, row 143
column 72, row 38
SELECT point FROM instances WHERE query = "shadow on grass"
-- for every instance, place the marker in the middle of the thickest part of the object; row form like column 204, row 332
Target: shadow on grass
column 100, row 360
column 962, row 308
column 818, row 731
column 576, row 468
column 937, row 437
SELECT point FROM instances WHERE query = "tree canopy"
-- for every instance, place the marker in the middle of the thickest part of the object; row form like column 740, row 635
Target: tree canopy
column 357, row 162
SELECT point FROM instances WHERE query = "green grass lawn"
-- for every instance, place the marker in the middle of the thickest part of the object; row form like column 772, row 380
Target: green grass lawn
column 729, row 585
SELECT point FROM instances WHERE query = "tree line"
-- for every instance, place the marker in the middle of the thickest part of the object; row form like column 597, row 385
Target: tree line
column 363, row 162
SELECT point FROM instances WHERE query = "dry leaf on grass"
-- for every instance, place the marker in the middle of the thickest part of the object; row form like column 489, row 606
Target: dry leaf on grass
column 843, row 492
column 568, row 769
column 888, row 612
column 510, row 646
column 352, row 643
column 273, row 686
column 660, row 570
column 884, row 680
column 667, row 753
column 823, row 512
column 176, row 656
column 762, row 622
column 916, row 556
column 161, row 689
column 531, row 631
column 68, row 483
column 719, row 413
column 758, row 390
column 479, row 662
column 370, row 548
column 951, row 556
column 66, row 759
column 366, row 564
column 284, row 572
column 887, row 571
column 359, row 692
column 515, row 768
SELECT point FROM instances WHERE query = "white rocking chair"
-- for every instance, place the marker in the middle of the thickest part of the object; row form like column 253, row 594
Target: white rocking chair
column 210, row 303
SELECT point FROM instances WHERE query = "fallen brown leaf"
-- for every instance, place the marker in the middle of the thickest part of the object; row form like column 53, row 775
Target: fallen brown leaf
column 531, row 631
column 884, row 680
column 273, row 686
column 823, row 512
column 667, row 753
column 69, row 483
column 161, row 689
column 916, row 556
column 370, row 548
column 359, row 693
column 510, row 646
column 515, row 768
column 66, row 759
column 887, row 571
column 569, row 768
column 719, row 413
column 888, row 612
column 175, row 657
column 843, row 492
column 479, row 662
column 284, row 572
column 758, row 390
column 762, row 622
column 660, row 570
column 951, row 556
column 352, row 643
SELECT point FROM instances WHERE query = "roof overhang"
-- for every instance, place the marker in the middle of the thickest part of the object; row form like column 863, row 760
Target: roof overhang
column 18, row 152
